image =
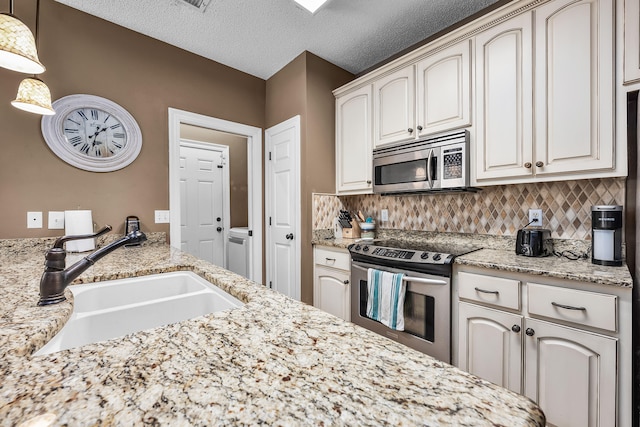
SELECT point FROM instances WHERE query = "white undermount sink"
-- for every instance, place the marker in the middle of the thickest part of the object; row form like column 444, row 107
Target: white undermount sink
column 114, row 308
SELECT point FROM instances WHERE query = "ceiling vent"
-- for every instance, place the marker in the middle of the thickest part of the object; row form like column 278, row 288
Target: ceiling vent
column 200, row 5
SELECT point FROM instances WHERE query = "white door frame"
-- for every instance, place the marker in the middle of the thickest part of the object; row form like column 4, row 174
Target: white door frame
column 294, row 121
column 254, row 169
column 226, row 196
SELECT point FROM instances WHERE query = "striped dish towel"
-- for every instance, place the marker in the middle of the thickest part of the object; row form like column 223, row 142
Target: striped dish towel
column 385, row 299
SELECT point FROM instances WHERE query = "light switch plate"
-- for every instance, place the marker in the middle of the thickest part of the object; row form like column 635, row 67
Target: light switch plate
column 162, row 217
column 384, row 215
column 34, row 219
column 56, row 220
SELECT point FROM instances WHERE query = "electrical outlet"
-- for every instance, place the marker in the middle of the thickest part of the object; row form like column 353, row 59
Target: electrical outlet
column 384, row 215
column 535, row 217
column 56, row 220
column 162, row 217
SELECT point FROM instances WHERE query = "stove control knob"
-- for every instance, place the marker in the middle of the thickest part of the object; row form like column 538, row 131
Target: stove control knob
column 358, row 247
column 437, row 257
column 424, row 255
column 365, row 249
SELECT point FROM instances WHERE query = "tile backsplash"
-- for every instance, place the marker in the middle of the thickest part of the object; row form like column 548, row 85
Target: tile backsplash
column 497, row 210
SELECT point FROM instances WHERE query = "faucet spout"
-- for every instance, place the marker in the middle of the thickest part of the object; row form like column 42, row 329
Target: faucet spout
column 56, row 278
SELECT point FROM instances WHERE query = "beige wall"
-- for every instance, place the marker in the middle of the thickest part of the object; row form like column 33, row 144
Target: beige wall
column 84, row 54
column 237, row 163
column 304, row 87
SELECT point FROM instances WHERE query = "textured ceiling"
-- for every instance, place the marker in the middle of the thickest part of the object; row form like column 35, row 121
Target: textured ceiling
column 260, row 37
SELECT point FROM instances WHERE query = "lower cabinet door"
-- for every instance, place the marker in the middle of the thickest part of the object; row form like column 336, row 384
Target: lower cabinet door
column 571, row 374
column 490, row 345
column 331, row 291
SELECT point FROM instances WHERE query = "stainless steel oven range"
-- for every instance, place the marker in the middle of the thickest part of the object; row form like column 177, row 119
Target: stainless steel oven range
column 427, row 308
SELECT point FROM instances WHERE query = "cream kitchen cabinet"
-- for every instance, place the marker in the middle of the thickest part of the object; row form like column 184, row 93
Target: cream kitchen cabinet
column 444, row 90
column 331, row 275
column 430, row 96
column 354, row 142
column 560, row 343
column 631, row 41
column 394, row 107
column 569, row 68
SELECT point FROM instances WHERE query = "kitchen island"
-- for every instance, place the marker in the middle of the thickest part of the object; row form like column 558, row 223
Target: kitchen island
column 273, row 361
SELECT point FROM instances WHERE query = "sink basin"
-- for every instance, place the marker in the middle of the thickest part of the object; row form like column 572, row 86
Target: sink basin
column 114, row 308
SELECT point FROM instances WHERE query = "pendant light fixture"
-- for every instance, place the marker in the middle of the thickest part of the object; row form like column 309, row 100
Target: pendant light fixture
column 17, row 45
column 33, row 94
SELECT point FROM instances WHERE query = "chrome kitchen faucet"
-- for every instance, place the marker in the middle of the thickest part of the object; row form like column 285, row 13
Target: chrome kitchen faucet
column 56, row 278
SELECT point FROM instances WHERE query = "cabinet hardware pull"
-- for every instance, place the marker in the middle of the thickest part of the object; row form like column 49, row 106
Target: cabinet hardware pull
column 368, row 181
column 515, row 328
column 539, row 164
column 346, row 282
column 419, row 127
column 410, row 130
column 486, row 292
column 331, row 259
column 530, row 332
column 568, row 307
column 527, row 165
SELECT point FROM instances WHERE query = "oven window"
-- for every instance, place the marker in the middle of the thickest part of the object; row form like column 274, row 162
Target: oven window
column 419, row 312
column 398, row 173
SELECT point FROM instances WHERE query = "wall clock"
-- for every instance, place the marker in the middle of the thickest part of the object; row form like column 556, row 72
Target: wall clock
column 92, row 133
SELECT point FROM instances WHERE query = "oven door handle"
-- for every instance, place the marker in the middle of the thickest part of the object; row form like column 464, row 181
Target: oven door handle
column 427, row 281
column 409, row 278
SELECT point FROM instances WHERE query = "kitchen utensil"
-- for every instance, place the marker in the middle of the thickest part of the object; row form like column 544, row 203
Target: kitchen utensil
column 534, row 242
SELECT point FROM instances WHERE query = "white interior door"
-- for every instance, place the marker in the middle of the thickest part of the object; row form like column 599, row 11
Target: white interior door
column 283, row 206
column 203, row 205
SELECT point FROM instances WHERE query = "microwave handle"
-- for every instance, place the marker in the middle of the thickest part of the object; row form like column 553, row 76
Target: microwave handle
column 429, row 168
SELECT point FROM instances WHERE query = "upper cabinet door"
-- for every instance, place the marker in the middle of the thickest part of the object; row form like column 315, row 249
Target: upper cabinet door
column 504, row 101
column 444, row 95
column 393, row 107
column 631, row 41
column 574, row 86
column 354, row 142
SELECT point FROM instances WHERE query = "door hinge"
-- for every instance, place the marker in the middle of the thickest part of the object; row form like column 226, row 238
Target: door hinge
column 250, row 233
column 270, row 285
column 269, row 155
column 219, row 166
column 269, row 220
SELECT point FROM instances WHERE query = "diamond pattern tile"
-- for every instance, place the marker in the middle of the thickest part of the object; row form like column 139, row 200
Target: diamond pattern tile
column 499, row 210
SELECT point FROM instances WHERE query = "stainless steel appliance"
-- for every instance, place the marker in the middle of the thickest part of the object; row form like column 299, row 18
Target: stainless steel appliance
column 427, row 308
column 534, row 242
column 436, row 163
column 606, row 227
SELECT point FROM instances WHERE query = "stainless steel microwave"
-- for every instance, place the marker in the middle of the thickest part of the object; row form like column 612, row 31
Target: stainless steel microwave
column 437, row 163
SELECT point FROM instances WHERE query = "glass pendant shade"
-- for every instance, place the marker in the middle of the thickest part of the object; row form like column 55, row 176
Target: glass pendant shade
column 34, row 97
column 17, row 46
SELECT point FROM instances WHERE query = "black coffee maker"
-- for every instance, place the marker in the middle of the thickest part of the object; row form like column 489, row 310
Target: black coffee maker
column 606, row 227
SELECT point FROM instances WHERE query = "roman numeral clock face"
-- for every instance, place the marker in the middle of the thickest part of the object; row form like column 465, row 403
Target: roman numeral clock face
column 92, row 133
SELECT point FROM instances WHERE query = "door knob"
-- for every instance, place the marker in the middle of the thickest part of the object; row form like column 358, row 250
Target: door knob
column 218, row 219
column 539, row 164
column 527, row 165
column 515, row 328
column 219, row 229
column 410, row 130
column 289, row 236
column 530, row 332
column 419, row 127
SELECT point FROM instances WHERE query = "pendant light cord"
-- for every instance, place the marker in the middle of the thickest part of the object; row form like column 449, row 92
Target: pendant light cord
column 37, row 27
column 10, row 7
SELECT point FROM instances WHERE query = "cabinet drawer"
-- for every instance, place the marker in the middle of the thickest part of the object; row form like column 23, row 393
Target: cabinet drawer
column 496, row 291
column 332, row 258
column 571, row 305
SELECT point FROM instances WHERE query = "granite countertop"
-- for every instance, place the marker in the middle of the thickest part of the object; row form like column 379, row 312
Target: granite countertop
column 498, row 253
column 273, row 361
